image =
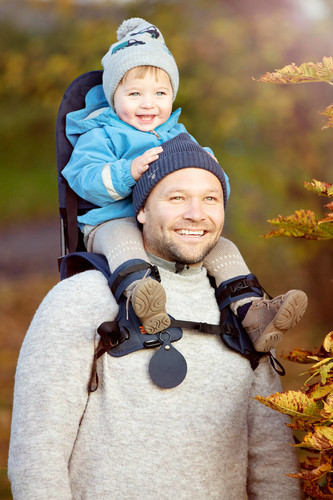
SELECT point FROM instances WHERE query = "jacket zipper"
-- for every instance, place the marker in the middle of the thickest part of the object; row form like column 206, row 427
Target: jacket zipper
column 156, row 134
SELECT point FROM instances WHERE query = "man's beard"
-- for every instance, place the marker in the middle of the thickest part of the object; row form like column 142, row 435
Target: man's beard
column 172, row 252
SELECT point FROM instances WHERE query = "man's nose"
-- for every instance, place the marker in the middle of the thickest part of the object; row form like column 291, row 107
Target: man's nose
column 194, row 210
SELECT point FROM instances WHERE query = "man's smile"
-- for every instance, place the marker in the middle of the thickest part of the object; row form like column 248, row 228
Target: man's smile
column 190, row 232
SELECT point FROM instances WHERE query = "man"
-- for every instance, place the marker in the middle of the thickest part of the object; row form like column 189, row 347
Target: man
column 130, row 439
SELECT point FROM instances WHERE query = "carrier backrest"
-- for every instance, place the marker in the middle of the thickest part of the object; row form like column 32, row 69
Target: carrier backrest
column 70, row 204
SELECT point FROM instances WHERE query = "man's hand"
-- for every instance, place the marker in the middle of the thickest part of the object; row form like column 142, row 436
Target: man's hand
column 141, row 163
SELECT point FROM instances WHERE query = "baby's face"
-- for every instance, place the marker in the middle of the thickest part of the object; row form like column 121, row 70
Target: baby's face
column 145, row 103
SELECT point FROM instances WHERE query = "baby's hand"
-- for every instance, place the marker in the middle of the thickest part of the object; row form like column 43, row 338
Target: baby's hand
column 141, row 163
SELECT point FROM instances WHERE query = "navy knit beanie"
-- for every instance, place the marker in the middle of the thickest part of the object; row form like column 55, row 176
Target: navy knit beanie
column 178, row 153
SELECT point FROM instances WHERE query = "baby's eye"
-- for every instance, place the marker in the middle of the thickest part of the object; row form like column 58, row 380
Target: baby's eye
column 161, row 92
column 134, row 94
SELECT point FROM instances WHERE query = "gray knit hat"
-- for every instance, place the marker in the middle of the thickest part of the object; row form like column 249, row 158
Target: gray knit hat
column 178, row 153
column 139, row 44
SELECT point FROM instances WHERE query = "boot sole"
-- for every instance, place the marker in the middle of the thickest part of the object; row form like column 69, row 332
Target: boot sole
column 287, row 317
column 148, row 301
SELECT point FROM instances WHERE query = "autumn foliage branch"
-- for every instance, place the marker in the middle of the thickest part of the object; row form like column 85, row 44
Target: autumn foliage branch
column 311, row 411
column 311, row 408
column 305, row 73
column 303, row 223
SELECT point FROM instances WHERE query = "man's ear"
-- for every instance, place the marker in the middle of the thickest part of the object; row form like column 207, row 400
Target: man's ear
column 142, row 215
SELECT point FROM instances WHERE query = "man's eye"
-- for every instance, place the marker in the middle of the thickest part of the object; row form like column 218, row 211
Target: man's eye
column 176, row 198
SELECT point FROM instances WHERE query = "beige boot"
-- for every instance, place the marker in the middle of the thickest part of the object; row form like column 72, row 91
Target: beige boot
column 148, row 300
column 266, row 321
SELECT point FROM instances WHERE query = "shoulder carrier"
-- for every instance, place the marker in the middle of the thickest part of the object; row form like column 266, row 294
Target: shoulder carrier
column 167, row 366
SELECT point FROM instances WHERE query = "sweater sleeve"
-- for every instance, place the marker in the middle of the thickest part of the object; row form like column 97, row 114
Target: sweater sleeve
column 95, row 172
column 271, row 454
column 51, row 381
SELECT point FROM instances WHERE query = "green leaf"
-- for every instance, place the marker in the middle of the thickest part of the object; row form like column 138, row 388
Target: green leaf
column 324, row 371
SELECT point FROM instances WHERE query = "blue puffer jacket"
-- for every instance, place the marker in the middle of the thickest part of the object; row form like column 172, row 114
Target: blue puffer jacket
column 104, row 147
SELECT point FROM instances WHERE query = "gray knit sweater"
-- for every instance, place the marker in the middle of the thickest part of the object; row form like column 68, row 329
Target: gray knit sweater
column 205, row 439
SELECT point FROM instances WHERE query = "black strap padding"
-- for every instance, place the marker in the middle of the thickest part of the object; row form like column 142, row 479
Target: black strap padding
column 132, row 269
column 206, row 327
column 193, row 325
column 238, row 288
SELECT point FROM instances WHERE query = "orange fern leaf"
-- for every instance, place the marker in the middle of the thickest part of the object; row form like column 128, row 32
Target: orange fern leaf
column 328, row 342
column 328, row 112
column 314, row 474
column 298, row 355
column 305, row 73
column 302, row 224
column 320, row 187
column 319, row 391
column 292, row 403
column 321, row 439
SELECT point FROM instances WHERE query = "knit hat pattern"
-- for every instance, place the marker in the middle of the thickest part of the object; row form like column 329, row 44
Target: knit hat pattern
column 139, row 44
column 178, row 153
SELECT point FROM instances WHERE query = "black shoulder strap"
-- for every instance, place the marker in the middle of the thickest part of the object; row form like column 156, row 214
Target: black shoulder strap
column 77, row 262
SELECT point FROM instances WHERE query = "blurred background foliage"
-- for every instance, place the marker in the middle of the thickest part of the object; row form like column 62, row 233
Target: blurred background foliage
column 267, row 137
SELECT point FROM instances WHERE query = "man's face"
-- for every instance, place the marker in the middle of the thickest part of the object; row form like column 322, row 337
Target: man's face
column 183, row 216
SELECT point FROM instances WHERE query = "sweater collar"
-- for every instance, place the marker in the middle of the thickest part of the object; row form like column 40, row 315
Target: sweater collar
column 172, row 266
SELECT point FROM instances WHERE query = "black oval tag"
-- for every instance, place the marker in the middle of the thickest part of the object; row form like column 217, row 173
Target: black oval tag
column 168, row 367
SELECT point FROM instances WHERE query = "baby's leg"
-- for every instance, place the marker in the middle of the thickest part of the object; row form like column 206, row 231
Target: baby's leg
column 265, row 320
column 225, row 262
column 120, row 240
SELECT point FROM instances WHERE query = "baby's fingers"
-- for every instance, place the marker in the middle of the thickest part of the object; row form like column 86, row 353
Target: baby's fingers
column 152, row 154
column 143, row 169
